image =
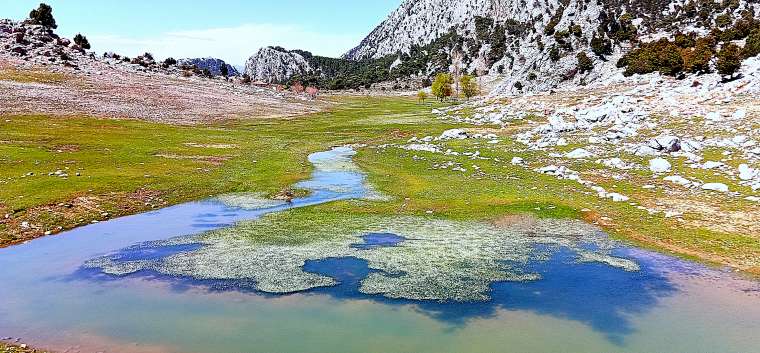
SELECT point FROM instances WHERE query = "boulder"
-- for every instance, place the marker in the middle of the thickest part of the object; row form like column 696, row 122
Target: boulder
column 579, row 153
column 660, row 165
column 747, row 173
column 720, row 187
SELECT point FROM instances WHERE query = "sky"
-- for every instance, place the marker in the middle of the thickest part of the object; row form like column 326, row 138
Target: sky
column 231, row 30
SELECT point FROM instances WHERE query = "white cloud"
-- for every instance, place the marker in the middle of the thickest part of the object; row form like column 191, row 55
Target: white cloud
column 233, row 45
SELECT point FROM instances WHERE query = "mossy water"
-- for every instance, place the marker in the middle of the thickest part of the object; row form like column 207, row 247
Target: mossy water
column 242, row 274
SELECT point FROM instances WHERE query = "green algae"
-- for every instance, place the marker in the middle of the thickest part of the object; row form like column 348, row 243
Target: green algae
column 440, row 259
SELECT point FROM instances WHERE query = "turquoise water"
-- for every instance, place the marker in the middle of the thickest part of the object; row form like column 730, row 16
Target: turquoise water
column 50, row 299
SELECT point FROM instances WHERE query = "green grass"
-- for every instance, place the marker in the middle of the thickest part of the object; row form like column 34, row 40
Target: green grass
column 124, row 156
column 32, row 76
column 118, row 156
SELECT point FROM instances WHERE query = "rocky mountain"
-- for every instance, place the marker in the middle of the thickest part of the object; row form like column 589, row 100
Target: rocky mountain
column 275, row 64
column 537, row 45
column 212, row 64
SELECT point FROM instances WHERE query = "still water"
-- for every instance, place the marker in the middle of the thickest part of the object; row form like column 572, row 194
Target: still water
column 50, row 299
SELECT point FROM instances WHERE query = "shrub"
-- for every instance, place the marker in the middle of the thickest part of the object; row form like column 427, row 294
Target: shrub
column 752, row 45
column 625, row 30
column 584, row 63
column 170, row 62
column 82, row 41
column 224, row 70
column 43, row 15
column 729, row 59
column 601, row 46
column 442, row 86
column 563, row 39
column 697, row 59
column 723, row 20
column 518, row 85
column 246, row 79
column 576, row 30
column 554, row 53
column 554, row 21
column 685, row 40
column 422, row 96
column 532, row 76
column 662, row 55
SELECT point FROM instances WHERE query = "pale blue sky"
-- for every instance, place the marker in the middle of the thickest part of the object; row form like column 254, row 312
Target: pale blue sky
column 229, row 29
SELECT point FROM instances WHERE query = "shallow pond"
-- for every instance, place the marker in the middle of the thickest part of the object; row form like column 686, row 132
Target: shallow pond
column 190, row 278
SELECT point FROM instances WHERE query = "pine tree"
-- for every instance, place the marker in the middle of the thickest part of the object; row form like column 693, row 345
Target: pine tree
column 82, row 41
column 729, row 59
column 43, row 15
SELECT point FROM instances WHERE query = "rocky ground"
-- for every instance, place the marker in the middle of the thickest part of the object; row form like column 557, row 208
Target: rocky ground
column 685, row 149
column 41, row 73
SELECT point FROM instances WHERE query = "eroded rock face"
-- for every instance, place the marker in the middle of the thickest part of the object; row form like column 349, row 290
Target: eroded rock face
column 275, row 65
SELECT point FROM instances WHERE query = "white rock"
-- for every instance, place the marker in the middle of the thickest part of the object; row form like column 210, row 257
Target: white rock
column 660, row 165
column 579, row 153
column 712, row 165
column 747, row 173
column 677, row 179
column 713, row 116
column 618, row 197
column 720, row 187
column 517, row 161
column 739, row 114
column 453, row 134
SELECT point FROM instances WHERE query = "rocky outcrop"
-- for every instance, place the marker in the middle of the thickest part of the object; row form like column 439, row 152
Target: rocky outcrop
column 537, row 45
column 274, row 64
column 212, row 64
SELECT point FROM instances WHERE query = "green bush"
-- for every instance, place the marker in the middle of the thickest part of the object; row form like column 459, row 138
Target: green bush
column 43, row 15
column 554, row 53
column 752, row 46
column 723, row 20
column 518, row 85
column 729, row 59
column 554, row 21
column 662, row 55
column 697, row 59
column 601, row 46
column 584, row 63
column 532, row 76
column 685, row 40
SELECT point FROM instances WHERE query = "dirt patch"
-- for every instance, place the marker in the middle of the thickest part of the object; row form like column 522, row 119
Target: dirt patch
column 64, row 148
column 23, row 225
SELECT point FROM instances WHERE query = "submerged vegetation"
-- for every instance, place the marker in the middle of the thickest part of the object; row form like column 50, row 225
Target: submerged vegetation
column 437, row 260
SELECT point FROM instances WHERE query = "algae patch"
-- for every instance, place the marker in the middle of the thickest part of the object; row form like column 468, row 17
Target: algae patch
column 438, row 260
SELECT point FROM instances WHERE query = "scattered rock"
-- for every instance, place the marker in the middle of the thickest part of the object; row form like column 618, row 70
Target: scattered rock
column 659, row 165
column 720, row 187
